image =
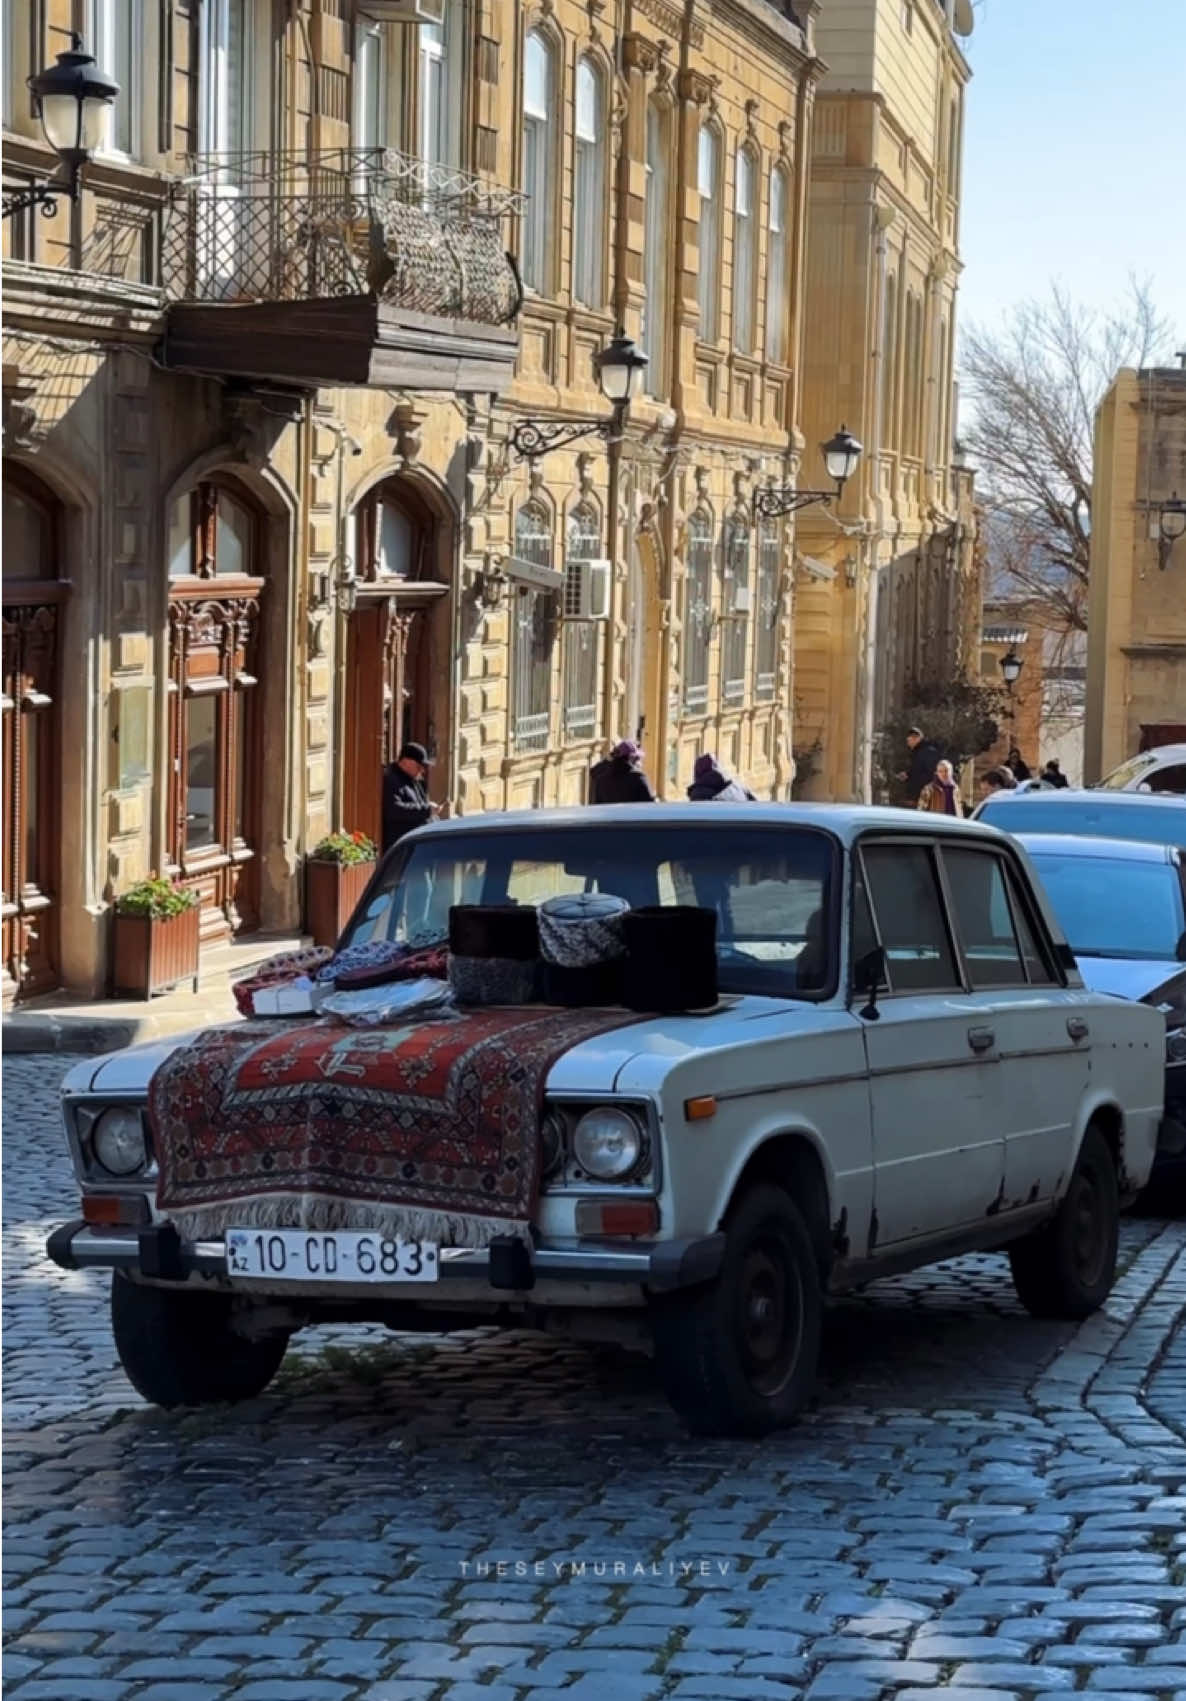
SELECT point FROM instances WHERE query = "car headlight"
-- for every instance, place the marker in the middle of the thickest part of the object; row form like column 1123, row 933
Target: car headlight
column 117, row 1141
column 608, row 1143
column 1175, row 1046
column 551, row 1144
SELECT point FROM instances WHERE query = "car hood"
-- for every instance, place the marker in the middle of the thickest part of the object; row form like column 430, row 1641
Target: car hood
column 593, row 1066
column 1127, row 977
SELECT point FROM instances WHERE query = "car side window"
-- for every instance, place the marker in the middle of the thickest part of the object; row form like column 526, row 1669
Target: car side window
column 1038, row 963
column 903, row 887
column 1171, row 779
column 983, row 916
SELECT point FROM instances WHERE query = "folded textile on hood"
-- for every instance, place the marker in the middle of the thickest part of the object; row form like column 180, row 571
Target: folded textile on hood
column 397, row 1001
column 276, row 971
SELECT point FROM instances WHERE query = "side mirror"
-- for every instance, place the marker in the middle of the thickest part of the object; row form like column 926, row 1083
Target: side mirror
column 868, row 974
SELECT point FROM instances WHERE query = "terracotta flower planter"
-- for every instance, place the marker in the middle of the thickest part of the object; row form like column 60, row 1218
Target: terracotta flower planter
column 332, row 890
column 154, row 956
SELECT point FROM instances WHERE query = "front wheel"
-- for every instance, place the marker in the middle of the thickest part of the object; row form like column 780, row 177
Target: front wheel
column 178, row 1346
column 739, row 1356
column 1066, row 1269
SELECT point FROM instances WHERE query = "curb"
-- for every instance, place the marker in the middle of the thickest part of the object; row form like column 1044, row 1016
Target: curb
column 37, row 1031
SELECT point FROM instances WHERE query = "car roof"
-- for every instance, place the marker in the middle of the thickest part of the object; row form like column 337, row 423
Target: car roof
column 1105, row 799
column 1115, row 850
column 846, row 820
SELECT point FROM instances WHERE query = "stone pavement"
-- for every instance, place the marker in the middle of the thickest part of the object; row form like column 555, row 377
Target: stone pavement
column 979, row 1506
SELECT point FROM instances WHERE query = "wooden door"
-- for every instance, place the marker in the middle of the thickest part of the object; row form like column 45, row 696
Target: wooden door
column 33, row 599
column 379, row 712
column 215, row 754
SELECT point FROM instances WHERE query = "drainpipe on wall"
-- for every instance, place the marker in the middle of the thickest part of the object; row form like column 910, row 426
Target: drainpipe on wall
column 883, row 219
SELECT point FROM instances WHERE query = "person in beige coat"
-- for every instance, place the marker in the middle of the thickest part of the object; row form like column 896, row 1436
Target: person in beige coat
column 941, row 797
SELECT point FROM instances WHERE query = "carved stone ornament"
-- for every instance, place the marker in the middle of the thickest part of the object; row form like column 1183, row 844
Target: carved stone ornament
column 404, row 427
column 663, row 67
column 695, row 87
column 670, row 18
column 786, row 132
column 751, row 119
column 701, row 476
column 21, row 428
column 253, row 419
column 594, row 9
column 639, row 54
column 585, row 473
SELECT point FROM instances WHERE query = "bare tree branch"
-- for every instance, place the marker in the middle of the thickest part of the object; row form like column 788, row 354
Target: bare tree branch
column 1034, row 385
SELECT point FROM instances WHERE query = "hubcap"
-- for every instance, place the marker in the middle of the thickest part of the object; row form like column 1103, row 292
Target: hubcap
column 771, row 1316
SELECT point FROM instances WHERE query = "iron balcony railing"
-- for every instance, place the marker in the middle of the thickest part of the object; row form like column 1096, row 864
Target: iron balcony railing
column 250, row 227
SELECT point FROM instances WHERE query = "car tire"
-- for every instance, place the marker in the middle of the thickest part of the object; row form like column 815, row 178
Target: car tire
column 1066, row 1269
column 178, row 1347
column 738, row 1356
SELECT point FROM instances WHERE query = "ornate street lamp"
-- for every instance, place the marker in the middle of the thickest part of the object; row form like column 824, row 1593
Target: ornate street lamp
column 841, row 454
column 1011, row 665
column 73, row 98
column 1171, row 525
column 620, row 368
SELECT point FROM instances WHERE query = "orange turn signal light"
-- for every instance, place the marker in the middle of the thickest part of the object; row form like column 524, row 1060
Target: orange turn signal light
column 110, row 1208
column 601, row 1218
column 699, row 1110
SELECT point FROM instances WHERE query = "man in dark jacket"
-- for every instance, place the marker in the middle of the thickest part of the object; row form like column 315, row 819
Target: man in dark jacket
column 1053, row 775
column 619, row 778
column 711, row 784
column 924, row 755
column 405, row 801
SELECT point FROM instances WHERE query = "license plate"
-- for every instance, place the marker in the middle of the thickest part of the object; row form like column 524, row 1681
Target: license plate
column 298, row 1255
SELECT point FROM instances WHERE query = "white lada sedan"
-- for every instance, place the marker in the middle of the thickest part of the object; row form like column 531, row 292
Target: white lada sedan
column 903, row 1064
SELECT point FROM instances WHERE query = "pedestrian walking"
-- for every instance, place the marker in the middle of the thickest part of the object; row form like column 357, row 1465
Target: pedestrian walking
column 996, row 780
column 1053, row 775
column 711, row 784
column 1016, row 764
column 405, row 800
column 619, row 777
column 940, row 796
column 924, row 754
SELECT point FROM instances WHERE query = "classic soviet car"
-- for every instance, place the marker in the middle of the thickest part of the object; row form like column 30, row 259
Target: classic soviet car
column 903, row 1064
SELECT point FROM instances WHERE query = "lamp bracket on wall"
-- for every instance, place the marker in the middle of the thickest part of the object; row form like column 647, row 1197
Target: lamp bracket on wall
column 771, row 501
column 532, row 438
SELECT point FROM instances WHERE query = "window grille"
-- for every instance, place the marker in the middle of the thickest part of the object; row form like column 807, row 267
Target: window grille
column 533, row 613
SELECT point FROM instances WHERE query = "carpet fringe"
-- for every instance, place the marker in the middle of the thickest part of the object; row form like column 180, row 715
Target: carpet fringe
column 323, row 1212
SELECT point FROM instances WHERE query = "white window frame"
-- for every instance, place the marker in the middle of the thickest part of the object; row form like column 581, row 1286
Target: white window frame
column 745, row 249
column 778, row 304
column 217, row 98
column 589, row 188
column 441, row 44
column 708, row 183
column 539, row 144
column 533, row 612
column 654, row 256
column 370, row 47
column 583, row 639
column 103, row 41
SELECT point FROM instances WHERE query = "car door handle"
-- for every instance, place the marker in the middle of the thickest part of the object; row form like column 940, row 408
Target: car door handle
column 981, row 1039
column 1077, row 1027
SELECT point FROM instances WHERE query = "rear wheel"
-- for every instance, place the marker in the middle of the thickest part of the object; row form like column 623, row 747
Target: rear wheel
column 1066, row 1269
column 738, row 1356
column 178, row 1346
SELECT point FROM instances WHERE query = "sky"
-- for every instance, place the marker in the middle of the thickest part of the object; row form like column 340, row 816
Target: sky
column 1075, row 154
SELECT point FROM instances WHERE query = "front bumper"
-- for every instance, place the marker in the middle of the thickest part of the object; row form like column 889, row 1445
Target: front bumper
column 159, row 1253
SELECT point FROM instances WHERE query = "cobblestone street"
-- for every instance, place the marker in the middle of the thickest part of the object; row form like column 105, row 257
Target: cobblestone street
column 979, row 1503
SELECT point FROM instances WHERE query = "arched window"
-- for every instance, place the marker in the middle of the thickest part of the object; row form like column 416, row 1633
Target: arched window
column 745, row 240
column 539, row 159
column 767, row 604
column 736, row 593
column 214, row 739
column 889, row 363
column 588, row 187
column 584, row 623
column 533, row 616
column 709, row 259
column 655, row 269
column 697, row 613
column 777, row 269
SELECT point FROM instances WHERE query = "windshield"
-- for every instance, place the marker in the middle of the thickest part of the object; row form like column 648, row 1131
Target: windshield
column 1142, row 918
column 1127, row 772
column 771, row 887
column 1084, row 816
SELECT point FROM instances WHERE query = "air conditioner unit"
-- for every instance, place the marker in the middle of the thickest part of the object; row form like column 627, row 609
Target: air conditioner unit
column 587, row 590
column 742, row 600
column 403, row 11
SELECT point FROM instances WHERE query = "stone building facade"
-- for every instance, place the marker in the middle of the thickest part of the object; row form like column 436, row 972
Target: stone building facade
column 263, row 515
column 1136, row 611
column 888, row 578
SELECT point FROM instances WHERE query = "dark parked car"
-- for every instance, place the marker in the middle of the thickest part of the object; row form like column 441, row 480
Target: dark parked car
column 1091, row 814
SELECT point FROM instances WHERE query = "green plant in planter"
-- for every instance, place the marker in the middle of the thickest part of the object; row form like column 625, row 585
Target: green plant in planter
column 156, row 898
column 344, row 848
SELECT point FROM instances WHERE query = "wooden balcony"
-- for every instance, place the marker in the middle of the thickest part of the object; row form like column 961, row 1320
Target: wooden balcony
column 353, row 267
